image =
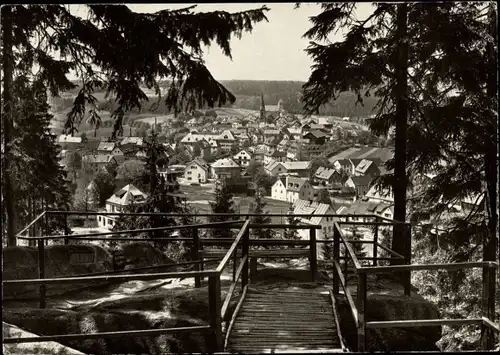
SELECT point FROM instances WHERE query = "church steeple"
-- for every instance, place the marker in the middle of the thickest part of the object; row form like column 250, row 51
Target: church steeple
column 262, row 108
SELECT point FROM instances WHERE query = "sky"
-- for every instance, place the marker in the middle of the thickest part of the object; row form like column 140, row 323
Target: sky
column 273, row 51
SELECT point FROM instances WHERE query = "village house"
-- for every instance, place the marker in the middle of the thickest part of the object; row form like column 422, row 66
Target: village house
column 98, row 161
column 360, row 184
column 118, row 201
column 301, row 168
column 298, row 188
column 283, row 145
column 69, row 143
column 243, row 158
column 367, row 168
column 293, row 151
column 270, row 135
column 275, row 168
column 274, row 155
column 314, row 210
column 225, row 168
column 172, row 173
column 225, row 140
column 325, row 176
column 316, row 137
column 294, row 132
column 197, row 171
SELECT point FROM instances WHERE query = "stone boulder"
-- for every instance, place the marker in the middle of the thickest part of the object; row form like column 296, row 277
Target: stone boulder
column 163, row 309
column 60, row 261
column 141, row 254
column 42, row 348
column 392, row 307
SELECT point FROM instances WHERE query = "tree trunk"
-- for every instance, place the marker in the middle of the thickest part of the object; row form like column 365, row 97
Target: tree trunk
column 7, row 117
column 400, row 180
column 491, row 162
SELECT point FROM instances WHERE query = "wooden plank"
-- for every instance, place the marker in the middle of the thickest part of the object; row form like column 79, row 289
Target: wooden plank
column 491, row 325
column 349, row 249
column 422, row 323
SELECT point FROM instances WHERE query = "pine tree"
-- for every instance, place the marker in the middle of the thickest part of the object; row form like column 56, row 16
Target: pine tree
column 130, row 50
column 223, row 203
column 103, row 188
column 258, row 207
column 41, row 183
column 291, row 234
column 373, row 58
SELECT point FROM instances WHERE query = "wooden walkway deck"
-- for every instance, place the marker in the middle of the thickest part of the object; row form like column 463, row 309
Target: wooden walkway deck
column 284, row 320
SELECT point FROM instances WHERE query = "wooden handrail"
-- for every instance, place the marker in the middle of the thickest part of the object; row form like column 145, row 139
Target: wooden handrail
column 422, row 323
column 233, row 247
column 390, row 251
column 487, row 322
column 114, row 334
column 235, row 314
column 347, row 293
column 229, row 294
column 132, row 277
column 417, row 267
column 29, row 225
column 132, row 231
column 349, row 249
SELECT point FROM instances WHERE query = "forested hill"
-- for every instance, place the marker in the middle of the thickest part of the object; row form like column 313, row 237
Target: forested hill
column 248, row 94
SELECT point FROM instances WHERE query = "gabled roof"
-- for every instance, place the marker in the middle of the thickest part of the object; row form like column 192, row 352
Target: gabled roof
column 98, row 158
column 316, row 134
column 271, row 132
column 243, row 151
column 106, row 146
column 382, row 195
column 297, row 165
column 132, row 140
column 363, row 166
column 311, row 208
column 226, row 135
column 272, row 165
column 200, row 162
column 225, row 163
column 324, row 173
column 66, row 138
column 127, row 195
column 295, row 183
column 361, row 180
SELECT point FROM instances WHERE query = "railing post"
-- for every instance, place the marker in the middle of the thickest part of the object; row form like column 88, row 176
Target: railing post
column 245, row 252
column 214, row 304
column 196, row 256
column 375, row 243
column 66, row 230
column 41, row 271
column 313, row 257
column 361, row 306
column 487, row 336
column 46, row 218
column 407, row 275
column 336, row 258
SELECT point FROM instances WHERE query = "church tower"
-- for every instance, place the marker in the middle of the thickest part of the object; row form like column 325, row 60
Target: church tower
column 262, row 108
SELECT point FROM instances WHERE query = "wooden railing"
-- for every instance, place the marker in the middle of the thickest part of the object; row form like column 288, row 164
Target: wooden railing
column 358, row 307
column 218, row 309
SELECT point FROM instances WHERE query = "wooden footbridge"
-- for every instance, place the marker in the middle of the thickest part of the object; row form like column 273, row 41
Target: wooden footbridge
column 302, row 318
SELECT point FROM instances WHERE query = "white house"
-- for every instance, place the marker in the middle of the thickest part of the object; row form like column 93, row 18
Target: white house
column 243, row 158
column 118, row 201
column 225, row 168
column 197, row 171
column 278, row 190
column 313, row 209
